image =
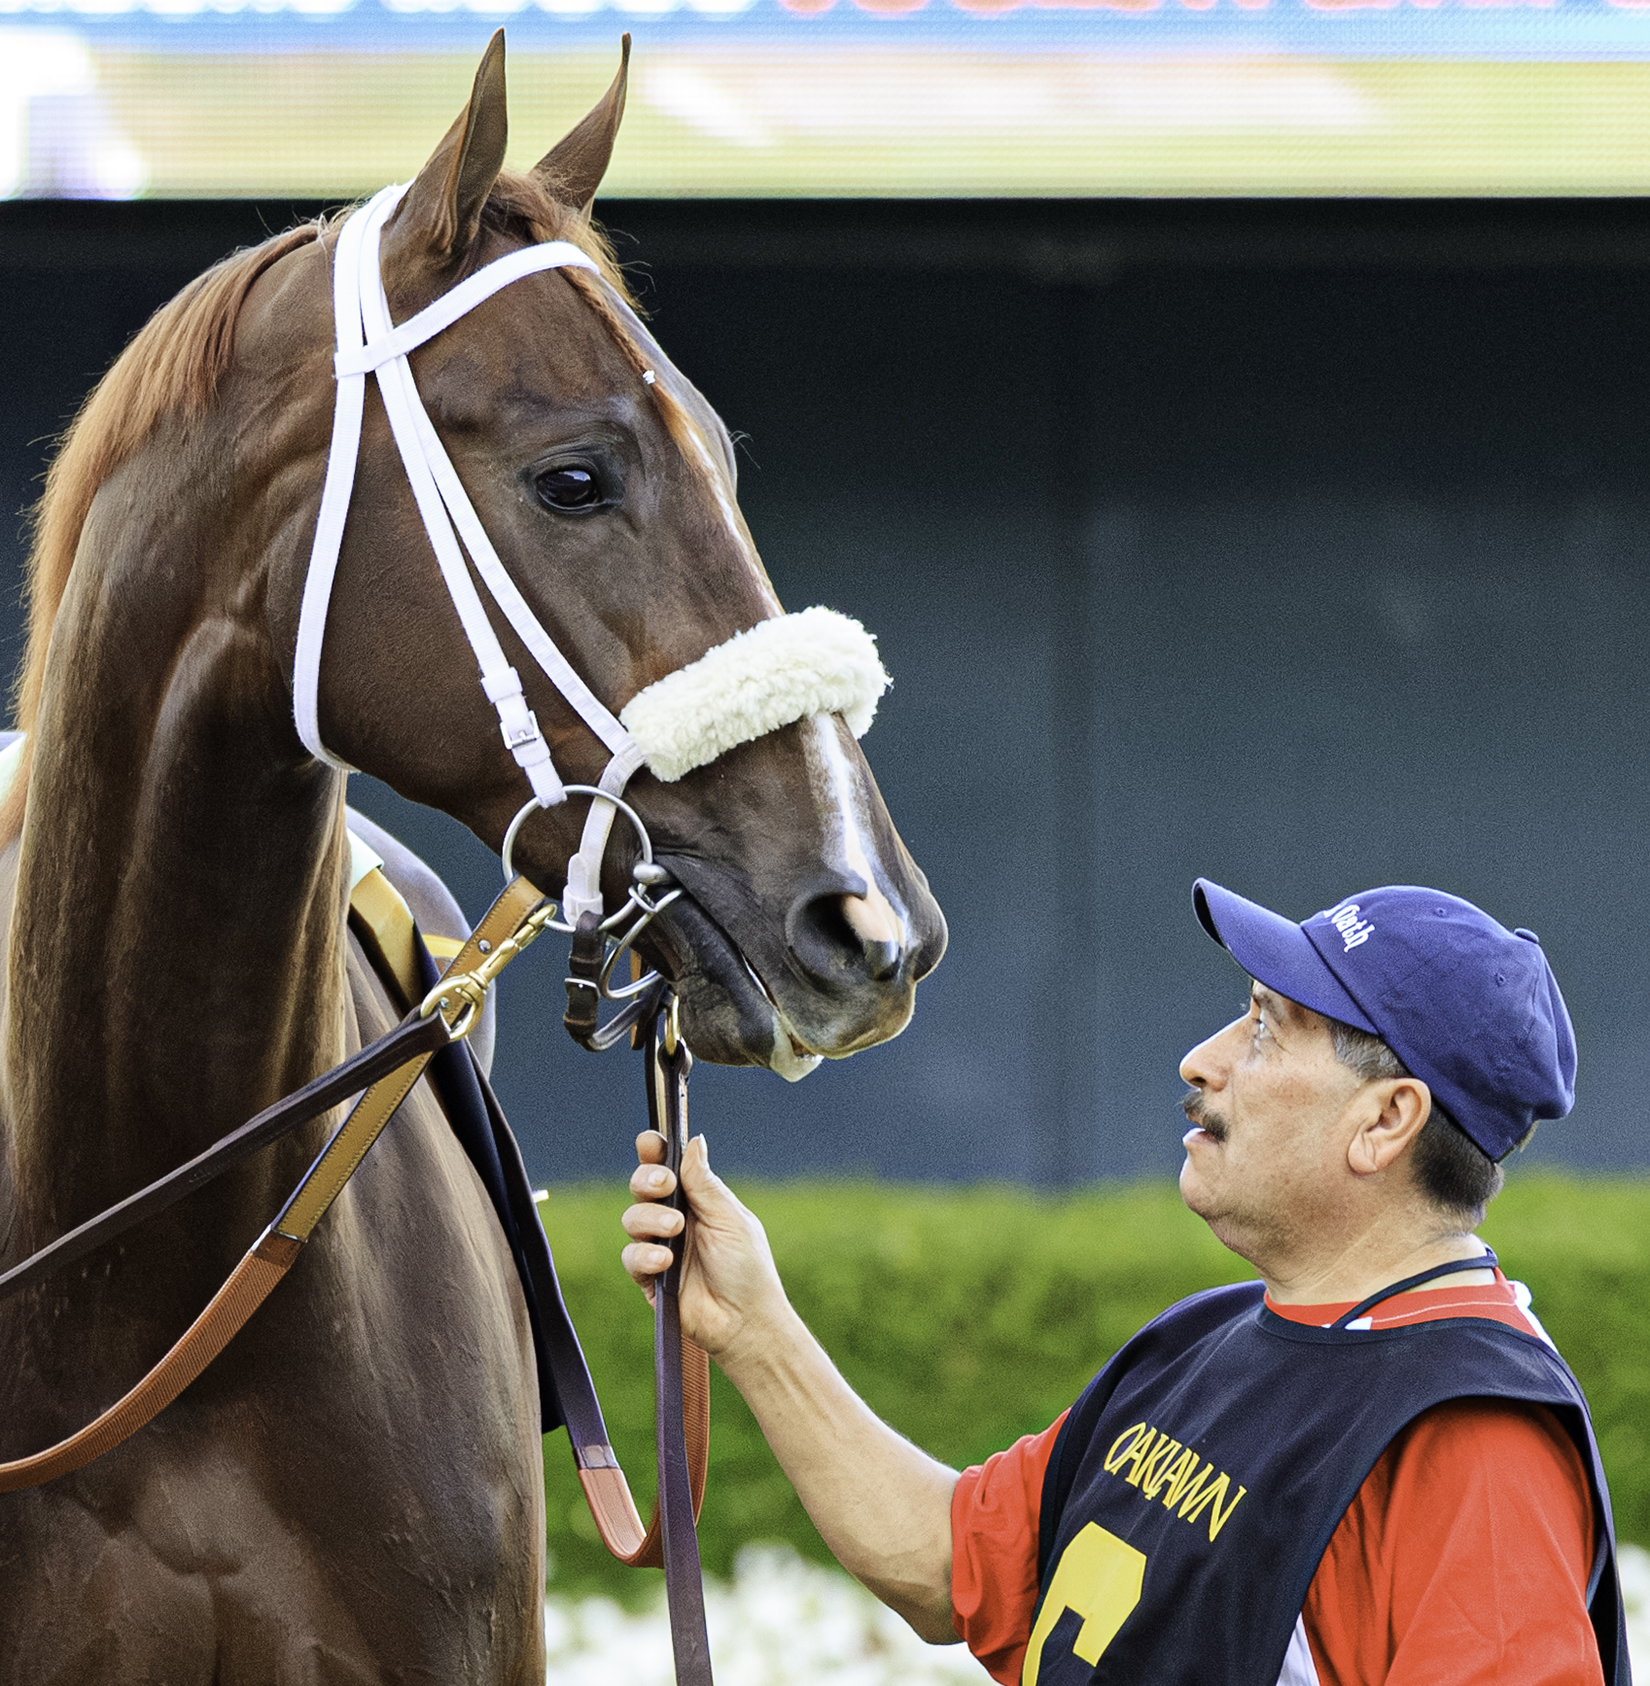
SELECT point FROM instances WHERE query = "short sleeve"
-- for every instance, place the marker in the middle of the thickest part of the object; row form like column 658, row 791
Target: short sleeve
column 995, row 1511
column 1464, row 1558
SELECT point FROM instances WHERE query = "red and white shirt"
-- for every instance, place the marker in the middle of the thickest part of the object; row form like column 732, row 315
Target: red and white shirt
column 1462, row 1561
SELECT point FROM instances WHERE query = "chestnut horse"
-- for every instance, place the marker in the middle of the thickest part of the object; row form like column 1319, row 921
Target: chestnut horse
column 354, row 1491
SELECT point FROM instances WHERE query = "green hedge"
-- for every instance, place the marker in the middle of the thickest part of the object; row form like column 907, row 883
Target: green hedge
column 968, row 1317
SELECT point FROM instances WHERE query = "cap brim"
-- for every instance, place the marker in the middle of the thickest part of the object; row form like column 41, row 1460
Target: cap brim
column 1276, row 952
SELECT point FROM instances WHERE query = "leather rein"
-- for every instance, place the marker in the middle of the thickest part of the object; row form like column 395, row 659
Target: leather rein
column 387, row 1069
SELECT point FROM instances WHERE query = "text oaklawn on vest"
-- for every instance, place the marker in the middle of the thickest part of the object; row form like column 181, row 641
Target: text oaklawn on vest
column 1157, row 1464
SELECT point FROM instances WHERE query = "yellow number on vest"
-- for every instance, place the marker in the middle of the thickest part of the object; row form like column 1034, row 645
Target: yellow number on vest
column 1099, row 1577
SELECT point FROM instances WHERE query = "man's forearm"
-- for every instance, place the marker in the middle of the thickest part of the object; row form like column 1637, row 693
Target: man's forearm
column 882, row 1505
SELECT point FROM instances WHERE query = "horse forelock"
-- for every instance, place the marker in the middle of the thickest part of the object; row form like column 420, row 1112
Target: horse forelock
column 174, row 365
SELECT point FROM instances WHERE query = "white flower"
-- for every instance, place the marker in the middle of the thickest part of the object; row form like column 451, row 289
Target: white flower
column 786, row 1622
column 783, row 1622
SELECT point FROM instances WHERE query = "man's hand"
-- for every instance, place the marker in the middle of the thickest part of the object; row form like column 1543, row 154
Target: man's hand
column 730, row 1290
column 883, row 1506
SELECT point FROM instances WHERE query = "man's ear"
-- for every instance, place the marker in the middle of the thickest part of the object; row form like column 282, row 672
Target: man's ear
column 573, row 168
column 440, row 217
column 1395, row 1111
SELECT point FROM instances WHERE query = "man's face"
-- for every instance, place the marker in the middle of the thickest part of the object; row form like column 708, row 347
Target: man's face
column 1270, row 1105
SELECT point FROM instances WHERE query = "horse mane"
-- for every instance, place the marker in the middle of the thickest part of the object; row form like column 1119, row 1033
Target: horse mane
column 174, row 365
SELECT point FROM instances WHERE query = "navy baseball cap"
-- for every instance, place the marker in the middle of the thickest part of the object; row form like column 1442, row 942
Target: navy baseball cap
column 1471, row 1008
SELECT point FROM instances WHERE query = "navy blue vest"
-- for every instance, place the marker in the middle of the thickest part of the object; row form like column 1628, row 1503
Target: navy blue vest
column 1197, row 1481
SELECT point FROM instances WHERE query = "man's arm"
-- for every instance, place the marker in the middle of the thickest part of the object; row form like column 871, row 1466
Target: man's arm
column 1464, row 1557
column 882, row 1505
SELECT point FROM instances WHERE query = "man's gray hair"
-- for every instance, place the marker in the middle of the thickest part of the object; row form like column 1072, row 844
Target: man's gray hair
column 1451, row 1169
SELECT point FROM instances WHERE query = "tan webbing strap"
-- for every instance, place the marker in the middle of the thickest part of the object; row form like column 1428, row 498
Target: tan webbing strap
column 388, row 933
column 348, row 1147
column 272, row 1256
column 384, row 923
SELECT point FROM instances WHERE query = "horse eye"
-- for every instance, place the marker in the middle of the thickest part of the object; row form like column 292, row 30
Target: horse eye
column 569, row 488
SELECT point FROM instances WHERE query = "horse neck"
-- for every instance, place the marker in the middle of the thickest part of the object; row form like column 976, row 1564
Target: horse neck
column 177, row 944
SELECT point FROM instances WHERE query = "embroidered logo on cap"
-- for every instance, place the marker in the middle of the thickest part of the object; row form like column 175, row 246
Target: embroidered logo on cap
column 1353, row 930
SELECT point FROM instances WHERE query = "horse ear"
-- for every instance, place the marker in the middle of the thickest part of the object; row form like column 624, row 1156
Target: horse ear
column 573, row 168
column 442, row 209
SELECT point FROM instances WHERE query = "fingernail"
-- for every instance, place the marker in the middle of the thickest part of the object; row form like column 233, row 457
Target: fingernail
column 657, row 1179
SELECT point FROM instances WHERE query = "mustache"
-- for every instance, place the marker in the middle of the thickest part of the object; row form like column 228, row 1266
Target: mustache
column 1195, row 1104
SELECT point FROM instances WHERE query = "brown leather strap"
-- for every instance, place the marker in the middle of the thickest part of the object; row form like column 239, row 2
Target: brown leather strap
column 253, row 1279
column 247, row 1288
column 607, row 1491
column 669, row 1063
column 682, row 1409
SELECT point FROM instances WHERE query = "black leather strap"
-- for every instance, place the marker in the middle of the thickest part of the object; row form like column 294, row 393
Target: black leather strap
column 412, row 1037
column 571, row 1396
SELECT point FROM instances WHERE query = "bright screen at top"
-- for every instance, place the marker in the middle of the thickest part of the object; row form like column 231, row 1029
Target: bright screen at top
column 329, row 98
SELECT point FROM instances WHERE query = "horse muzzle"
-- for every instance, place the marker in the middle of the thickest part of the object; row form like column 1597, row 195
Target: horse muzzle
column 842, row 978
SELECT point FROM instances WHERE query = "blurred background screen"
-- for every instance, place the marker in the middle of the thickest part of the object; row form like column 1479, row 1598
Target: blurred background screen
column 774, row 98
column 1229, row 417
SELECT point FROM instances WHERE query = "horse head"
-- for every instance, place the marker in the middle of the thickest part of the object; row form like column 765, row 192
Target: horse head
column 605, row 484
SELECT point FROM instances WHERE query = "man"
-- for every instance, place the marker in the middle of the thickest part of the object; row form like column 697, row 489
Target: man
column 1370, row 1466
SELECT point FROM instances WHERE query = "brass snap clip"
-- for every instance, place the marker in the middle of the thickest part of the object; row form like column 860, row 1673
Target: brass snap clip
column 460, row 997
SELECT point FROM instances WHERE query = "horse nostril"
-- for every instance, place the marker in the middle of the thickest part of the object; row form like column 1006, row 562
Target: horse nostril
column 843, row 941
column 872, row 919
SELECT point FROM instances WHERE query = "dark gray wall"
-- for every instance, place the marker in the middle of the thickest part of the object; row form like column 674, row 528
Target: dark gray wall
column 1305, row 547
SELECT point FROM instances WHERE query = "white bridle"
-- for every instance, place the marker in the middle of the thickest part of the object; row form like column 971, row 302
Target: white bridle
column 779, row 671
